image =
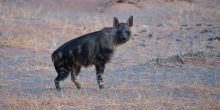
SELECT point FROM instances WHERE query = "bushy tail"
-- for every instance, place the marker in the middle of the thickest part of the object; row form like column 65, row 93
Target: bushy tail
column 54, row 58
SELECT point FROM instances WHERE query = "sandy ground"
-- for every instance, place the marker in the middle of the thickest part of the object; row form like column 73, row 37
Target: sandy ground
column 145, row 73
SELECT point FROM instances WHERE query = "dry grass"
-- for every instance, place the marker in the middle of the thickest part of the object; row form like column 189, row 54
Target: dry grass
column 36, row 29
column 111, row 102
column 26, row 80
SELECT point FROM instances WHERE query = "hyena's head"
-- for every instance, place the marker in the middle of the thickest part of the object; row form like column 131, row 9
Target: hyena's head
column 123, row 32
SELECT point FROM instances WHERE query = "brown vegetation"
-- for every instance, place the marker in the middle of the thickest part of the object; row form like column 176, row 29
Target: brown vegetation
column 143, row 74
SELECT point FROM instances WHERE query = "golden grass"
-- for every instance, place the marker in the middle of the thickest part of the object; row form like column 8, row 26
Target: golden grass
column 22, row 104
column 52, row 32
column 151, row 104
column 113, row 99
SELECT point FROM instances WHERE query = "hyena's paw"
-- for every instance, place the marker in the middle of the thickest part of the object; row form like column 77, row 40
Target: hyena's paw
column 101, row 85
column 57, row 85
column 58, row 93
column 78, row 85
column 58, row 89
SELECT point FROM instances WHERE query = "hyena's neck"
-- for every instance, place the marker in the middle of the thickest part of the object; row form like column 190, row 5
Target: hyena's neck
column 109, row 30
column 111, row 33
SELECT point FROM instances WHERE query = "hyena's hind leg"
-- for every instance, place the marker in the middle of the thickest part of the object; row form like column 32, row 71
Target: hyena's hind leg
column 63, row 72
column 74, row 73
column 99, row 74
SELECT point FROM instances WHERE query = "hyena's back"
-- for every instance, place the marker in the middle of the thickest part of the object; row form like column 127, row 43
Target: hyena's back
column 79, row 51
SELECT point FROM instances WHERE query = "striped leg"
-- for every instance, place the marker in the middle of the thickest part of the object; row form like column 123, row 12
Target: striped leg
column 62, row 74
column 74, row 73
column 99, row 74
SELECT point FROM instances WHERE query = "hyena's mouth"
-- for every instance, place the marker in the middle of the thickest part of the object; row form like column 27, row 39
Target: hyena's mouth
column 123, row 40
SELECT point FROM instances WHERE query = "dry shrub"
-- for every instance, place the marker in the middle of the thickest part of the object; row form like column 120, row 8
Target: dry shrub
column 24, row 103
column 134, row 2
column 179, row 0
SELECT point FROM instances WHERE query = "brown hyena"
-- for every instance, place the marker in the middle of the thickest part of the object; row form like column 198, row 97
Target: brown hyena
column 91, row 49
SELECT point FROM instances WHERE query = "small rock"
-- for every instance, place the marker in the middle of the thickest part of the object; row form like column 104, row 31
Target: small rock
column 184, row 25
column 143, row 45
column 29, row 75
column 210, row 46
column 178, row 40
column 198, row 24
column 143, row 30
column 135, row 34
column 159, row 25
column 188, row 28
column 211, row 39
column 217, row 38
column 191, row 42
column 209, row 25
column 190, row 37
column 120, row 1
column 1, row 33
column 158, row 38
column 206, row 31
column 150, row 35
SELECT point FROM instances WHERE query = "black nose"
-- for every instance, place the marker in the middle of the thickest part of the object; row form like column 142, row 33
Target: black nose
column 123, row 39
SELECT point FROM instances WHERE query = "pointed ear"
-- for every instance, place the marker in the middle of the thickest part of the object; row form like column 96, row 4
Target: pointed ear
column 115, row 22
column 130, row 21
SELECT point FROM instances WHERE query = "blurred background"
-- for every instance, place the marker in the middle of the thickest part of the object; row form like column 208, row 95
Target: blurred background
column 171, row 62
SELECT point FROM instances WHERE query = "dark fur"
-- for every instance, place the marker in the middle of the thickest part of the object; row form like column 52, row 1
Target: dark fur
column 91, row 49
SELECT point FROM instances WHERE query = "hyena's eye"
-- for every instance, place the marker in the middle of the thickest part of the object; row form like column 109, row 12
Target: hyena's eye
column 128, row 32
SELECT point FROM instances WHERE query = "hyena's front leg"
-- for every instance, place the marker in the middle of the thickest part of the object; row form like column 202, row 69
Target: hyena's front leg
column 74, row 73
column 99, row 74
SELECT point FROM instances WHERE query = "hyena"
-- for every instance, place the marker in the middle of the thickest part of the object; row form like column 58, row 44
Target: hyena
column 91, row 49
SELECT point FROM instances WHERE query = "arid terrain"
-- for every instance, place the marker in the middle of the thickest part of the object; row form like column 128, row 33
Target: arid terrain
column 172, row 61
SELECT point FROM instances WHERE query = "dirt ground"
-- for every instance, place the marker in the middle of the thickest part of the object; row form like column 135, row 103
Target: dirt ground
column 172, row 61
